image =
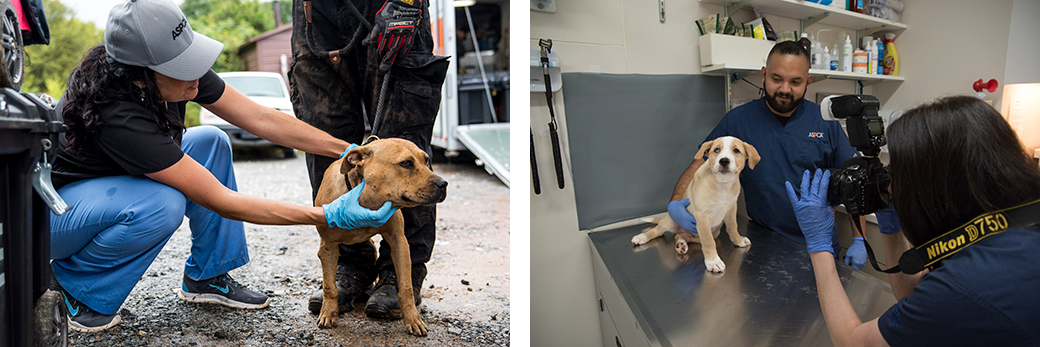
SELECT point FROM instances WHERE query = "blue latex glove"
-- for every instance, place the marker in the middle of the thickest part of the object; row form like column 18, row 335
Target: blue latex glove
column 856, row 256
column 888, row 221
column 346, row 213
column 677, row 211
column 352, row 145
column 815, row 216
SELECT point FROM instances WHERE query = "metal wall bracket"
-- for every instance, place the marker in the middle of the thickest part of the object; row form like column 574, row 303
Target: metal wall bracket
column 660, row 9
column 812, row 20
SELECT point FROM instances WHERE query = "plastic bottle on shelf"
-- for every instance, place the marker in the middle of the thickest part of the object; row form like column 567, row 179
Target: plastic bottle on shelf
column 891, row 58
column 825, row 63
column 834, row 59
column 880, row 57
column 846, row 55
column 804, row 40
column 817, row 55
column 871, row 49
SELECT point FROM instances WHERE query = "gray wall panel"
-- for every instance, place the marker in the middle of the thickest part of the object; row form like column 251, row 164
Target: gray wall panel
column 631, row 136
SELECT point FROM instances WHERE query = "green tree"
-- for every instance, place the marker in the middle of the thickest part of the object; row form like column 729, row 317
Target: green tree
column 47, row 67
column 233, row 23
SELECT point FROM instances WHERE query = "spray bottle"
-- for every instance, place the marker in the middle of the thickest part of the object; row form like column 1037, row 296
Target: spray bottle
column 891, row 58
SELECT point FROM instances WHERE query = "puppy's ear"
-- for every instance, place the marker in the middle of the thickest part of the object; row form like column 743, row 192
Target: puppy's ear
column 705, row 149
column 753, row 156
column 356, row 157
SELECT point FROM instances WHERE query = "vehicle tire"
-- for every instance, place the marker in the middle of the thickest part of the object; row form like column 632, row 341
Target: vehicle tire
column 50, row 321
column 289, row 152
column 12, row 49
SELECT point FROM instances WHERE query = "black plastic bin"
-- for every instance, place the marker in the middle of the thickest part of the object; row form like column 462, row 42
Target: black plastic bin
column 29, row 313
column 473, row 102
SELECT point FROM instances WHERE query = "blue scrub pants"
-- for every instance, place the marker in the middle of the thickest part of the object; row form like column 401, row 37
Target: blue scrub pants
column 118, row 225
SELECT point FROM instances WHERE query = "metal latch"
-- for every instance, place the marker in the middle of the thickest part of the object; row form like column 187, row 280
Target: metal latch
column 42, row 183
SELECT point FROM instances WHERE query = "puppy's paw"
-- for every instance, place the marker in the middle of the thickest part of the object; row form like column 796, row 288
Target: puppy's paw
column 416, row 326
column 639, row 239
column 681, row 247
column 326, row 321
column 743, row 242
column 715, row 265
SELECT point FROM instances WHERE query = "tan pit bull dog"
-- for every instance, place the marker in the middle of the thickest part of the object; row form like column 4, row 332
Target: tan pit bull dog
column 394, row 170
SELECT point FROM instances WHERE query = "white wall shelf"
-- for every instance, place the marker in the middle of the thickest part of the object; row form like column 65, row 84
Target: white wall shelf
column 812, row 13
column 868, row 79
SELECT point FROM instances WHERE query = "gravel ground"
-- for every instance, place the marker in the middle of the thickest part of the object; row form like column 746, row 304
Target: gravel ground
column 465, row 295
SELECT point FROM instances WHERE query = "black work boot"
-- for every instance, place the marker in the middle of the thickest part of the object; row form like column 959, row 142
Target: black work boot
column 353, row 287
column 383, row 300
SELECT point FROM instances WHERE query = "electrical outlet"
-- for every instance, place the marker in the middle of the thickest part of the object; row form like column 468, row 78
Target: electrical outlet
column 544, row 5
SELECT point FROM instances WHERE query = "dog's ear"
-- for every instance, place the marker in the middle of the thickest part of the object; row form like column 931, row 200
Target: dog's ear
column 705, row 149
column 752, row 155
column 356, row 157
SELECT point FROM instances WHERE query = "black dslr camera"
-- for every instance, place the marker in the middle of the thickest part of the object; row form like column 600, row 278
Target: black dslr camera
column 863, row 185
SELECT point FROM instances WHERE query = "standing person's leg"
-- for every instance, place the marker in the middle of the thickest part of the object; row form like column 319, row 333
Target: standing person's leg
column 326, row 95
column 409, row 109
column 105, row 243
column 218, row 244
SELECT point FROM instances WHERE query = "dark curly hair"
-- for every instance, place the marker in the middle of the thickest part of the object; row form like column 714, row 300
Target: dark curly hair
column 97, row 80
column 952, row 160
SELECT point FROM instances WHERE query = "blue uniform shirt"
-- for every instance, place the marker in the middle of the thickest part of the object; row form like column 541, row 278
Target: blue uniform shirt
column 984, row 295
column 806, row 142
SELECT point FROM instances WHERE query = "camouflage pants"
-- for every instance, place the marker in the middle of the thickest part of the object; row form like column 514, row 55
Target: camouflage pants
column 336, row 94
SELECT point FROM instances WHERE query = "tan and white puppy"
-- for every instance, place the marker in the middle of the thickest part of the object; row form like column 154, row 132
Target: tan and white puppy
column 713, row 200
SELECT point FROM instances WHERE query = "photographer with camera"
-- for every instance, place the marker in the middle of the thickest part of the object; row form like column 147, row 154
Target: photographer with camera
column 790, row 136
column 968, row 196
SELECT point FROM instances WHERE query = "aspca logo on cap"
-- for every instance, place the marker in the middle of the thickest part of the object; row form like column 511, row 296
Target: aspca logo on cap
column 180, row 28
column 815, row 134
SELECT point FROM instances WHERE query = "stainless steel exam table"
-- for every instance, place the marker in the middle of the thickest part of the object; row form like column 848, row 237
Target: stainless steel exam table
column 767, row 297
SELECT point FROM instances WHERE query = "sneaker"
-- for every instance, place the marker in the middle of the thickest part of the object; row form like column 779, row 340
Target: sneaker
column 222, row 290
column 83, row 319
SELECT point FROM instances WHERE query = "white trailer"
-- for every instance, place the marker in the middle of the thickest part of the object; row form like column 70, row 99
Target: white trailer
column 489, row 142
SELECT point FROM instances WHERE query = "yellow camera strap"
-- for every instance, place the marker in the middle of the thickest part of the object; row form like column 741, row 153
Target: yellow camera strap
column 930, row 253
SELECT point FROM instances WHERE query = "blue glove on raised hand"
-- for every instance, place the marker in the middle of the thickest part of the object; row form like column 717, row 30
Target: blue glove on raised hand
column 677, row 211
column 346, row 213
column 815, row 216
column 352, row 145
column 888, row 221
column 856, row 256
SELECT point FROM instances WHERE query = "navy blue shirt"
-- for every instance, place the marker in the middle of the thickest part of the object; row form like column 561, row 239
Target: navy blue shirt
column 988, row 294
column 806, row 142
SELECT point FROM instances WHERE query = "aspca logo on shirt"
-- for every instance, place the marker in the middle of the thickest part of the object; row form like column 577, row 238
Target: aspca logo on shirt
column 815, row 135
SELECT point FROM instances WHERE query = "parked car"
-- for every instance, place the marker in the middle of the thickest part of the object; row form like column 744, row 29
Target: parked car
column 265, row 88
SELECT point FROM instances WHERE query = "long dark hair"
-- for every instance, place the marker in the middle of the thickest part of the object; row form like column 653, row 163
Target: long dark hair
column 952, row 160
column 98, row 80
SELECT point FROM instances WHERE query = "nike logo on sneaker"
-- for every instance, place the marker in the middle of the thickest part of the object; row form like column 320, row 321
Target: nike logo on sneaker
column 72, row 312
column 224, row 289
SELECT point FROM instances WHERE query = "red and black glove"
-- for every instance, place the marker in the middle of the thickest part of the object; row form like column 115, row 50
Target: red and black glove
column 395, row 28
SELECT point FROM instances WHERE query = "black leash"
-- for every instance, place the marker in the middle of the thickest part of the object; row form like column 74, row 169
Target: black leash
column 934, row 251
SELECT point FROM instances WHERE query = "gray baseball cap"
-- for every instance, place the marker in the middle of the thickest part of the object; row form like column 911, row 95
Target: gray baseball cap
column 155, row 34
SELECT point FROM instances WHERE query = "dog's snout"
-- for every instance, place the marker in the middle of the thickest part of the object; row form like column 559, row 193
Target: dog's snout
column 723, row 161
column 440, row 183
